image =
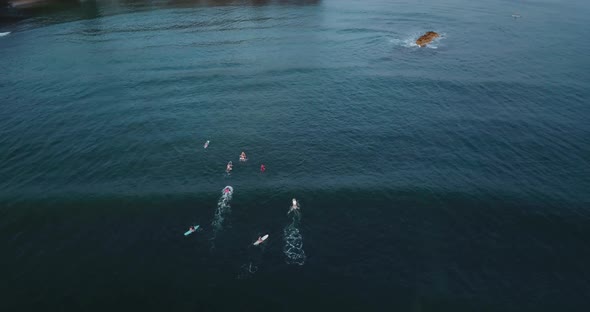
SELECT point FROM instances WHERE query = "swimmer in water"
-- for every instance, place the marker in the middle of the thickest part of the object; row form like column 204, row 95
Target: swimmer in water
column 294, row 206
column 243, row 156
column 226, row 190
column 229, row 167
column 262, row 168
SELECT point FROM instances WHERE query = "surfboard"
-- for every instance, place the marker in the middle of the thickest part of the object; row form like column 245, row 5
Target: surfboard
column 189, row 232
column 261, row 240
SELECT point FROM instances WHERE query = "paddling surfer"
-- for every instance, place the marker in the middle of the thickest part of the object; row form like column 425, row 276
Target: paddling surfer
column 294, row 205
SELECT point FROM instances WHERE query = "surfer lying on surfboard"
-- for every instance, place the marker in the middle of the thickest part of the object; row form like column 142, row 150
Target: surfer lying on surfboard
column 243, row 157
column 260, row 240
column 294, row 205
column 229, row 167
column 206, row 144
column 191, row 230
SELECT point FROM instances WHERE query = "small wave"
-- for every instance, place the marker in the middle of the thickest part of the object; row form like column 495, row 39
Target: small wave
column 2, row 34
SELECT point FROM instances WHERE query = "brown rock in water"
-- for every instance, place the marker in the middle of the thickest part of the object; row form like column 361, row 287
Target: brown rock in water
column 426, row 38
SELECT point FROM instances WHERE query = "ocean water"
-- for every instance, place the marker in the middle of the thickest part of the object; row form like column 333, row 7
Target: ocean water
column 454, row 177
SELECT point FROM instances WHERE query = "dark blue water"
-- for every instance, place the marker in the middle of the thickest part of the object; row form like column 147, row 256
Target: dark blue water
column 449, row 178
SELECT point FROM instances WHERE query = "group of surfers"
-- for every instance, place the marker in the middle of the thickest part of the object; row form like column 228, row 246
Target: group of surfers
column 261, row 239
column 230, row 165
column 243, row 158
column 228, row 169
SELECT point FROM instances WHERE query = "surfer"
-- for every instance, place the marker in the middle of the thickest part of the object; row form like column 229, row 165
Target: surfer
column 191, row 229
column 243, row 156
column 226, row 190
column 229, row 167
column 206, row 144
column 294, row 205
column 260, row 240
column 262, row 168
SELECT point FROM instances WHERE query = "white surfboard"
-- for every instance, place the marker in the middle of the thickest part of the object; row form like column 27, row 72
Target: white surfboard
column 260, row 240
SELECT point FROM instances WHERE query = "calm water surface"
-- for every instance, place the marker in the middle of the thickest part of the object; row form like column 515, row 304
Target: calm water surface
column 449, row 178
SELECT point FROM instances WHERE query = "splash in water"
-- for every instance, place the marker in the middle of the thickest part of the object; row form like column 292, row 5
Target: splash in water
column 293, row 249
column 247, row 270
column 223, row 209
column 410, row 41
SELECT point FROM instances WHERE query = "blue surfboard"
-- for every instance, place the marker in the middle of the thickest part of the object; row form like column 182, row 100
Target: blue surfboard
column 189, row 232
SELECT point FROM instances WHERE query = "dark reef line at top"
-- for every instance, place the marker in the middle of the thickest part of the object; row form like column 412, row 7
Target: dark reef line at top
column 12, row 11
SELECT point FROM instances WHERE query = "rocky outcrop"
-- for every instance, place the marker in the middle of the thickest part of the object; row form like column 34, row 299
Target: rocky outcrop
column 426, row 38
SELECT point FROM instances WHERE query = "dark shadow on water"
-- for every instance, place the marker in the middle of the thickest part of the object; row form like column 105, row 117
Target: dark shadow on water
column 58, row 11
column 237, row 3
column 414, row 250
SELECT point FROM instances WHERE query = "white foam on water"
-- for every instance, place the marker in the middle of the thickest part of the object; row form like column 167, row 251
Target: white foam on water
column 223, row 209
column 406, row 43
column 410, row 41
column 293, row 248
column 2, row 34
